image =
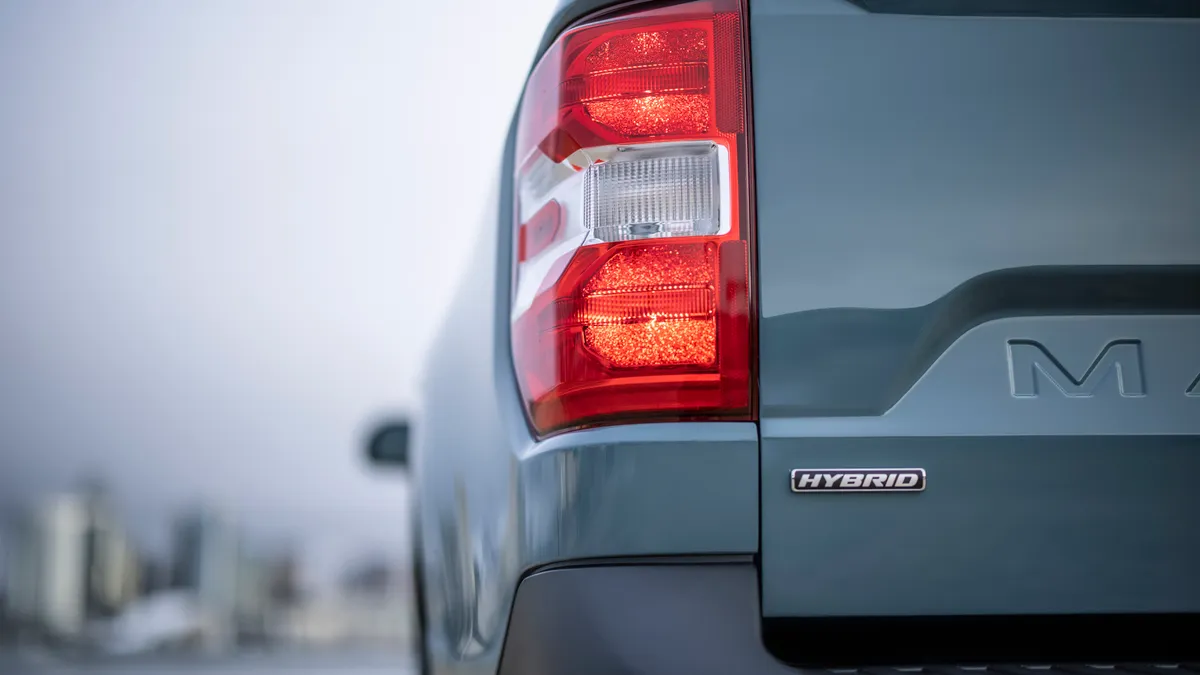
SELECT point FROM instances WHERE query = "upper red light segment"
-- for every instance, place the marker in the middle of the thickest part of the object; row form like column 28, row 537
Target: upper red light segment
column 644, row 76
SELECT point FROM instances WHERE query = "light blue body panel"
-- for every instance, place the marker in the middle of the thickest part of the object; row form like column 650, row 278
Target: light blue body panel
column 494, row 504
column 1036, row 504
column 940, row 199
column 898, row 157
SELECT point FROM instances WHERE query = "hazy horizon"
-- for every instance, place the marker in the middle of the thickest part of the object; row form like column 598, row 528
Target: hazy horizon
column 230, row 232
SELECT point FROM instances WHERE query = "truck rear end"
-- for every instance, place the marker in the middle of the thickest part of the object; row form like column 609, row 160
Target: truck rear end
column 920, row 279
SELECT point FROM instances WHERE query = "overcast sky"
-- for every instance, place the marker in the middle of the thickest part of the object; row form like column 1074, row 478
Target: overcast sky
column 228, row 229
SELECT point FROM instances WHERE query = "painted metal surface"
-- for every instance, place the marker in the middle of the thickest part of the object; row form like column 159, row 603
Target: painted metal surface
column 979, row 244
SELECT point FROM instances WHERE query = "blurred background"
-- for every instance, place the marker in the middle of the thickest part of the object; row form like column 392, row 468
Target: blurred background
column 228, row 232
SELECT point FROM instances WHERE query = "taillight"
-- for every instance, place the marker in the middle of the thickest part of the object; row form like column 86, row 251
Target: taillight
column 633, row 242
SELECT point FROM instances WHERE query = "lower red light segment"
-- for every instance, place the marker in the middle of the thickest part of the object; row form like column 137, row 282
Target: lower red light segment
column 640, row 327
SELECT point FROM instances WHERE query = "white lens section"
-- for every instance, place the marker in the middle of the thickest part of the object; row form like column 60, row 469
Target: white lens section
column 651, row 192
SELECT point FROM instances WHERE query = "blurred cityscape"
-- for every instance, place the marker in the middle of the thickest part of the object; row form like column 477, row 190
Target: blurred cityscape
column 73, row 580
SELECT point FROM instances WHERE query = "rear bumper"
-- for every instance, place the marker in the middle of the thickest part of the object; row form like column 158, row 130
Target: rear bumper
column 665, row 619
column 688, row 618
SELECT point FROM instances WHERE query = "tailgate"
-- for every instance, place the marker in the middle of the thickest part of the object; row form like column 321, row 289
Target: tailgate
column 978, row 250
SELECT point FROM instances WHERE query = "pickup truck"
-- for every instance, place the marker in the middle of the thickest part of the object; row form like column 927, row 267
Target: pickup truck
column 826, row 334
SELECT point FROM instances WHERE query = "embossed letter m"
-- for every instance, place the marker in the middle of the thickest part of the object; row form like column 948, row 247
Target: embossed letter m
column 1029, row 362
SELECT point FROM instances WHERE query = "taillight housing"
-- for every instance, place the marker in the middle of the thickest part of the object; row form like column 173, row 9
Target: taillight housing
column 633, row 244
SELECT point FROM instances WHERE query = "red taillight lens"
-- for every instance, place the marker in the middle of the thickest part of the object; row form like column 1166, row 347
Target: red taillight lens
column 633, row 243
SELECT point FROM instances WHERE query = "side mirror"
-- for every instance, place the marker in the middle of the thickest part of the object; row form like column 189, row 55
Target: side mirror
column 387, row 446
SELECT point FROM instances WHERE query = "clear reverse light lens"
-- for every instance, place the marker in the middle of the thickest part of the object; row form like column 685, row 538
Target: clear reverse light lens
column 647, row 193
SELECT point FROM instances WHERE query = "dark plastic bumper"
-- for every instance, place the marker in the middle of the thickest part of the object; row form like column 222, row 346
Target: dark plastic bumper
column 684, row 619
column 665, row 619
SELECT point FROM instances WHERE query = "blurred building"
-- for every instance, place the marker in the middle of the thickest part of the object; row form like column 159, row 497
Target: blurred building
column 372, row 577
column 154, row 576
column 59, row 570
column 23, row 576
column 283, row 581
column 110, row 561
column 206, row 561
column 253, row 602
column 70, row 561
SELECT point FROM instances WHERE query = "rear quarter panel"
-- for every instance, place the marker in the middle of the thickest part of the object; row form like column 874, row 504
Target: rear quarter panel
column 494, row 503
